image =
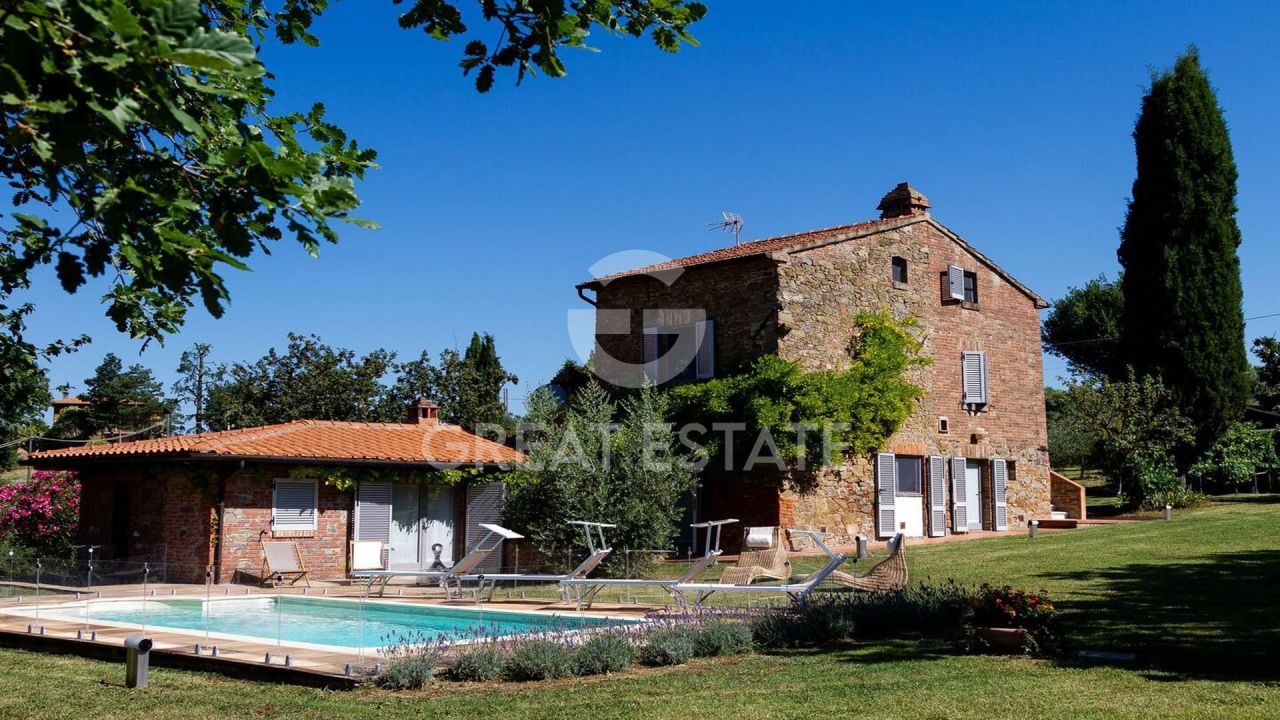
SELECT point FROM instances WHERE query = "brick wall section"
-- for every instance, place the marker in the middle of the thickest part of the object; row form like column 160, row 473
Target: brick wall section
column 248, row 516
column 168, row 514
column 1068, row 495
column 740, row 297
column 802, row 306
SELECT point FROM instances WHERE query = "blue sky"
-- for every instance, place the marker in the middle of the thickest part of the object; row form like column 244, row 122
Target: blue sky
column 1014, row 118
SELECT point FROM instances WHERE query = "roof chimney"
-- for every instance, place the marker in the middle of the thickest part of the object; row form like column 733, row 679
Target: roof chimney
column 901, row 201
column 424, row 412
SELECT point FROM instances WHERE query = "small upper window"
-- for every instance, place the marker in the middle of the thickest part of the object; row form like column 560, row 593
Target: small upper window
column 910, row 471
column 900, row 270
column 971, row 287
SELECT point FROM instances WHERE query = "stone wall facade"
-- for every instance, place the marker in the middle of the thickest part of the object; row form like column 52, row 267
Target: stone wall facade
column 802, row 304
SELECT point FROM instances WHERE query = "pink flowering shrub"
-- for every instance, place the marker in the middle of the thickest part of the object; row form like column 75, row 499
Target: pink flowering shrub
column 41, row 513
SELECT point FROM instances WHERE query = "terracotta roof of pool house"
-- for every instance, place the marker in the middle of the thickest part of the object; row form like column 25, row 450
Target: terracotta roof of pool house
column 420, row 441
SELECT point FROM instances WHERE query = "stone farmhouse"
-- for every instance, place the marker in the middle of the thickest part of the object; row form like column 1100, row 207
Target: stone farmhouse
column 973, row 456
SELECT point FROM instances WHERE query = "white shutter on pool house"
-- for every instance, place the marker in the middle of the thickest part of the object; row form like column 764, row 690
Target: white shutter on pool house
column 886, row 494
column 293, row 505
column 959, row 497
column 937, row 496
column 1000, row 489
column 373, row 511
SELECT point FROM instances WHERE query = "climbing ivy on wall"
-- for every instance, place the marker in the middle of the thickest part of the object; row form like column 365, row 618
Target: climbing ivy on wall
column 797, row 422
column 346, row 477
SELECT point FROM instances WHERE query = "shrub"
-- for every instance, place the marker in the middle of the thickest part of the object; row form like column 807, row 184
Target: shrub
column 671, row 645
column 776, row 629
column 607, row 652
column 1178, row 499
column 722, row 637
column 539, row 659
column 412, row 661
column 928, row 610
column 409, row 672
column 41, row 513
column 1234, row 461
column 479, row 663
column 1005, row 607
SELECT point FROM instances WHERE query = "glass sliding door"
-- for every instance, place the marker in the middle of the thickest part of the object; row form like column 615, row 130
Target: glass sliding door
column 404, row 545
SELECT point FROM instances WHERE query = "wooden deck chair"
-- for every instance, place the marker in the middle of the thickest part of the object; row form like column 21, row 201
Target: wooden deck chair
column 887, row 575
column 769, row 562
column 281, row 562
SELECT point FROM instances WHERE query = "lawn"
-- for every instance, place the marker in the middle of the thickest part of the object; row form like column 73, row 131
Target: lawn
column 1195, row 599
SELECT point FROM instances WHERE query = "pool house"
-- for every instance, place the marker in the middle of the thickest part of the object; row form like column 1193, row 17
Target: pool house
column 191, row 504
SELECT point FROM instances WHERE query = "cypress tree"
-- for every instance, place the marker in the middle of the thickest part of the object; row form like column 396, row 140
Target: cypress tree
column 1182, row 293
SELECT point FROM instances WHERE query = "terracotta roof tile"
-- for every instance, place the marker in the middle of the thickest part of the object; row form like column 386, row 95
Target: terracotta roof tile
column 311, row 440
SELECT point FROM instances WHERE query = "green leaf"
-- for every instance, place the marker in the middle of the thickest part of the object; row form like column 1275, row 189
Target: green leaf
column 214, row 50
column 176, row 19
column 123, row 113
column 124, row 22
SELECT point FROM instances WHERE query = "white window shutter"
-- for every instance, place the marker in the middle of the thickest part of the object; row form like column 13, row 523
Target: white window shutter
column 373, row 511
column 293, row 505
column 937, row 496
column 974, row 371
column 1000, row 488
column 484, row 505
column 886, row 494
column 706, row 367
column 959, row 497
column 955, row 283
column 649, row 352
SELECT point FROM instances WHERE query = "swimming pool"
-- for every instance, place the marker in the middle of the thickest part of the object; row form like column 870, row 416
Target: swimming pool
column 332, row 622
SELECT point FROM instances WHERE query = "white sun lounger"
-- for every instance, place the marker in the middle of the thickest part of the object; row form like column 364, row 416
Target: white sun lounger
column 701, row 591
column 494, row 536
column 584, row 568
column 583, row 590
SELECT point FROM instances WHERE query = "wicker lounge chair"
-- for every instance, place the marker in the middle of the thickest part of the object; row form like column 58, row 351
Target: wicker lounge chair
column 887, row 575
column 694, row 594
column 769, row 563
column 281, row 562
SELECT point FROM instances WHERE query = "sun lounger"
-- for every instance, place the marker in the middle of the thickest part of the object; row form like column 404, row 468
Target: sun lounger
column 448, row 579
column 887, row 575
column 281, row 562
column 583, row 591
column 767, row 558
column 699, row 592
column 596, row 555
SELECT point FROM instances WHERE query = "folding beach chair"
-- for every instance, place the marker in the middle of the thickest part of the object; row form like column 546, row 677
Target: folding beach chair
column 281, row 562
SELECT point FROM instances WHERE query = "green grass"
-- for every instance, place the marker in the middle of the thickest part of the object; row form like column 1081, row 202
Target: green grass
column 1196, row 599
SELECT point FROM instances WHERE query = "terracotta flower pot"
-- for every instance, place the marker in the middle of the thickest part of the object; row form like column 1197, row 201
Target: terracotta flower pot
column 1003, row 639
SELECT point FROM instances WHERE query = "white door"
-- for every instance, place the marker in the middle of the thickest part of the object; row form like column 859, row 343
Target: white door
column 909, row 499
column 406, row 522
column 437, row 531
column 973, row 493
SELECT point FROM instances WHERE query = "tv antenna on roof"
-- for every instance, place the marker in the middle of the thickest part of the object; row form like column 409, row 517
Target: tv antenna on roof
column 732, row 222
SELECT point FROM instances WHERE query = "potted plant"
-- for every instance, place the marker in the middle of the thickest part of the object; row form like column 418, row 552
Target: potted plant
column 1008, row 620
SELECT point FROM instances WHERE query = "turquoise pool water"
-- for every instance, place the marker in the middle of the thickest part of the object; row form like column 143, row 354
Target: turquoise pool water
column 335, row 622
